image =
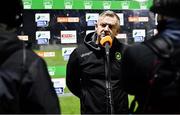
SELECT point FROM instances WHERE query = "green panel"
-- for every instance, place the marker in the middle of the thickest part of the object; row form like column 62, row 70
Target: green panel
column 58, row 4
column 58, row 71
column 37, row 4
column 97, row 5
column 56, row 64
column 79, row 4
column 134, row 5
column 116, row 5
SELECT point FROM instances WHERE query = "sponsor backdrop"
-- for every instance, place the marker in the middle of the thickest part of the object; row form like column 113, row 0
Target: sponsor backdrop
column 54, row 28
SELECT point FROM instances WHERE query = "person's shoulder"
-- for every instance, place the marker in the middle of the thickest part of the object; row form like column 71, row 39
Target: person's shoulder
column 136, row 45
column 120, row 43
column 28, row 55
column 136, row 48
column 81, row 47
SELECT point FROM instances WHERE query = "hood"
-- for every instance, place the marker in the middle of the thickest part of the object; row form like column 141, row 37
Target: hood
column 8, row 44
column 90, row 40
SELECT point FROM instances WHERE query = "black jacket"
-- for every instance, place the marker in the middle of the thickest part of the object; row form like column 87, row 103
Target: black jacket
column 86, row 76
column 25, row 84
column 155, row 92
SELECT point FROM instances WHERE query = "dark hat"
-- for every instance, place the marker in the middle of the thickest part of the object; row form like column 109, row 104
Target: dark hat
column 169, row 8
column 11, row 12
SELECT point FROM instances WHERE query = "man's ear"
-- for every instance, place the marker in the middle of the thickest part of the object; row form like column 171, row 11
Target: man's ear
column 118, row 31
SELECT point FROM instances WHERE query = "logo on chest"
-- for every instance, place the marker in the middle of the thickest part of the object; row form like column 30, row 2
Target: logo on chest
column 118, row 56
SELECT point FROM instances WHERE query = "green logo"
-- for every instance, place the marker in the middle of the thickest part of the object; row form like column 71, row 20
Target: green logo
column 118, row 56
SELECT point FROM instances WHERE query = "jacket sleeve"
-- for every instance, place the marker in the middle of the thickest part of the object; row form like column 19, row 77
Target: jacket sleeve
column 134, row 69
column 73, row 74
column 40, row 95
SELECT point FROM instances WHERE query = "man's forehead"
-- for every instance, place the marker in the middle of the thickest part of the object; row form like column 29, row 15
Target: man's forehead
column 104, row 17
column 107, row 19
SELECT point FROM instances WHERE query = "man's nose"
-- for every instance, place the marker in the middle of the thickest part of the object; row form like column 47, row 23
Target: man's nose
column 106, row 28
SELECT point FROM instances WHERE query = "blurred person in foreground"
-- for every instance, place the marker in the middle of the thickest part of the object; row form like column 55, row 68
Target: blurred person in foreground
column 87, row 75
column 25, row 84
column 151, row 68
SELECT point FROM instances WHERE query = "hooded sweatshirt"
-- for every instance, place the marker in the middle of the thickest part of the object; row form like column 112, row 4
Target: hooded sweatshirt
column 25, row 85
column 86, row 76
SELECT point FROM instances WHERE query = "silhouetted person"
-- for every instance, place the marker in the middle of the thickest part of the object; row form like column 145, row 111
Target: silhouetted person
column 151, row 69
column 25, row 84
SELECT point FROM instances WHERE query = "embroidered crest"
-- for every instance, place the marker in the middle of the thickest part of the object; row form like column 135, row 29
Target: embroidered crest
column 118, row 56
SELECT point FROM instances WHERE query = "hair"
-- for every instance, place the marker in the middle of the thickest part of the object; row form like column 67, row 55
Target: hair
column 111, row 14
column 12, row 17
